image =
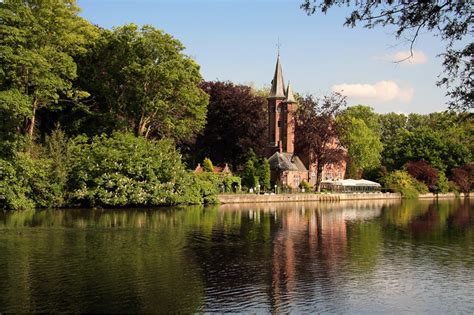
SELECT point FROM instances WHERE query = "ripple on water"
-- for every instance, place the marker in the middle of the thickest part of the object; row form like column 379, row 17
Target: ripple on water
column 282, row 261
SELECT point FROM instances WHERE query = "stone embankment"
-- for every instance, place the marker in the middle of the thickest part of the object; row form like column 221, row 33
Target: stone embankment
column 253, row 198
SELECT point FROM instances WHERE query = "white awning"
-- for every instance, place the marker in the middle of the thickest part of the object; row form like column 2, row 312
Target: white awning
column 352, row 183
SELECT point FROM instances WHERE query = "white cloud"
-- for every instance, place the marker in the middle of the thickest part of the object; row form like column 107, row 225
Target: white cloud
column 406, row 58
column 383, row 91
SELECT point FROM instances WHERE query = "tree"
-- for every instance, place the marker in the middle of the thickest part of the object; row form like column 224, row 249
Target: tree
column 143, row 78
column 263, row 173
column 207, row 165
column 450, row 20
column 362, row 143
column 39, row 40
column 317, row 136
column 236, row 122
column 428, row 145
column 424, row 172
column 248, row 175
column 463, row 177
column 367, row 114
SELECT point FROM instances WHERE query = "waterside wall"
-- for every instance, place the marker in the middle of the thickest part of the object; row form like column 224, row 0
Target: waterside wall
column 253, row 198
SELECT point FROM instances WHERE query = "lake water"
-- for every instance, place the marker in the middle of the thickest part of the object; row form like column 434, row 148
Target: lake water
column 345, row 257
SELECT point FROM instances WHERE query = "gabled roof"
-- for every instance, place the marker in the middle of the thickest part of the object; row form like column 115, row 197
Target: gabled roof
column 286, row 162
column 290, row 98
column 217, row 169
column 278, row 85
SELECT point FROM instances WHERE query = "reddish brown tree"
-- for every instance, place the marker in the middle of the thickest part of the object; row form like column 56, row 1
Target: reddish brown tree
column 424, row 172
column 236, row 123
column 316, row 135
column 463, row 177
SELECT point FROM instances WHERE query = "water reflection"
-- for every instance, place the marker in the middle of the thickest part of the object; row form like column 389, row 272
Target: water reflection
column 291, row 257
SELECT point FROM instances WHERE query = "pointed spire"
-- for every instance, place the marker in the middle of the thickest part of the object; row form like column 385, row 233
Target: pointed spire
column 278, row 85
column 290, row 98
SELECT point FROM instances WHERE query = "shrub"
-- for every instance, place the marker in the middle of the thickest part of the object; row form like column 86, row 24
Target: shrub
column 306, row 186
column 14, row 190
column 231, row 183
column 463, row 177
column 442, row 186
column 424, row 172
column 28, row 183
column 124, row 170
column 402, row 182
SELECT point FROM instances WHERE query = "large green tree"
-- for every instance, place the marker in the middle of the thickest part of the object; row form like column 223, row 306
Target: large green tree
column 443, row 139
column 362, row 143
column 37, row 44
column 142, row 77
column 450, row 20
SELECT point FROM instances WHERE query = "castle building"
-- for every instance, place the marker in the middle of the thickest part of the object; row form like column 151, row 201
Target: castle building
column 286, row 167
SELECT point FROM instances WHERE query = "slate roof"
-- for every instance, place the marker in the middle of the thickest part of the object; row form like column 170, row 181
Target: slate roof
column 286, row 162
column 278, row 85
column 290, row 98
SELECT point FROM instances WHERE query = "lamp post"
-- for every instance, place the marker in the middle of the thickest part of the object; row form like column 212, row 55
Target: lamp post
column 275, row 189
column 258, row 188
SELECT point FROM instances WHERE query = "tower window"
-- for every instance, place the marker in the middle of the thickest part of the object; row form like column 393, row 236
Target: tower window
column 279, row 123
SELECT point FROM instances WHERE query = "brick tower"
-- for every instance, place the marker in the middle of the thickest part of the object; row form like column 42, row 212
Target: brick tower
column 281, row 119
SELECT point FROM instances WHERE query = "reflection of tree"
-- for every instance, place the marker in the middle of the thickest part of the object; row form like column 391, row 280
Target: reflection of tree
column 365, row 242
column 116, row 261
column 401, row 215
column 443, row 219
column 212, row 258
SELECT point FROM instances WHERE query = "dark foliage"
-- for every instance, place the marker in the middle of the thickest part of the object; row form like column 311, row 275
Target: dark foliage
column 317, row 137
column 463, row 177
column 236, row 122
column 424, row 172
column 450, row 20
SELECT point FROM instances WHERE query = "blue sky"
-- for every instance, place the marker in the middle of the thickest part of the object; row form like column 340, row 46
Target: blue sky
column 236, row 40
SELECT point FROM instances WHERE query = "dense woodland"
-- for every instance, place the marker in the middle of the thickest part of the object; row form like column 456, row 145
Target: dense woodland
column 96, row 117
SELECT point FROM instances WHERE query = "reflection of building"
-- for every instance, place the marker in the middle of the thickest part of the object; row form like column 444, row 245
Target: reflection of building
column 287, row 168
column 306, row 239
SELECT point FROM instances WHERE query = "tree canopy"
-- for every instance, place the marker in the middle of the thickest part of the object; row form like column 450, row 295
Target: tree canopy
column 318, row 137
column 359, row 130
column 236, row 122
column 142, row 76
column 37, row 48
column 450, row 20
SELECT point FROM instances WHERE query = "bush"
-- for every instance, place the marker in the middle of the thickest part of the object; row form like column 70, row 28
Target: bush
column 124, row 170
column 28, row 183
column 463, row 177
column 402, row 182
column 14, row 191
column 306, row 186
column 424, row 172
column 442, row 186
column 231, row 183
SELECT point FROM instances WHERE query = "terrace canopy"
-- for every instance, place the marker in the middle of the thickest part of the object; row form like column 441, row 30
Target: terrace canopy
column 350, row 185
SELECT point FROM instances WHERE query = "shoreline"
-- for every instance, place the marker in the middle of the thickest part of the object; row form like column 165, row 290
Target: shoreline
column 298, row 197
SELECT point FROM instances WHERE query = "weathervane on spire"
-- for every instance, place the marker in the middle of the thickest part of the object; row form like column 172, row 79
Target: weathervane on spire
column 278, row 46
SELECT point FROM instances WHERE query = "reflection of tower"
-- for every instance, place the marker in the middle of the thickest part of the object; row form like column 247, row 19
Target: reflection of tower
column 297, row 231
column 333, row 235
